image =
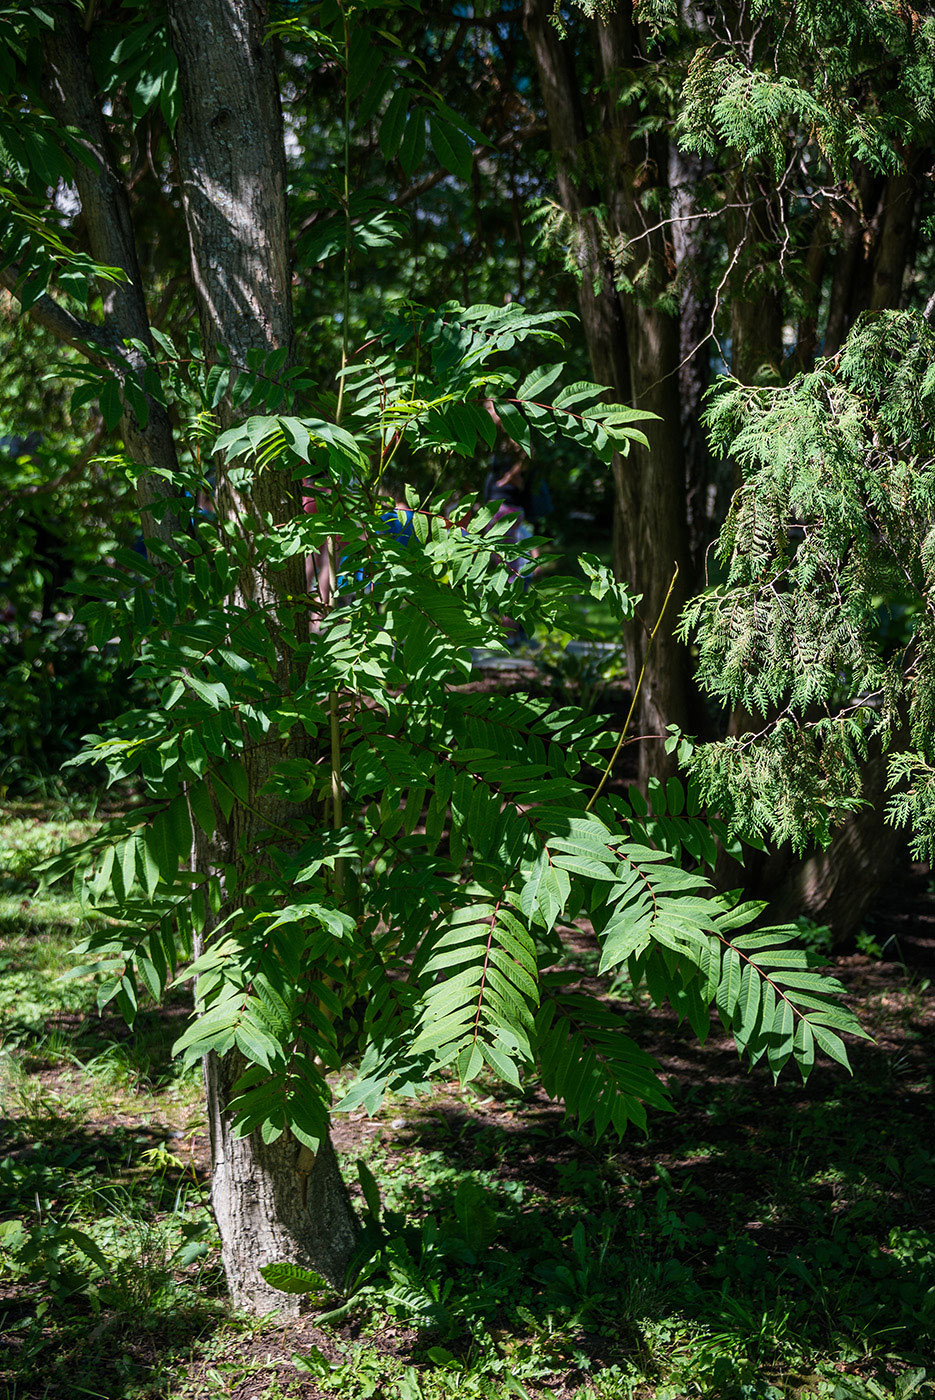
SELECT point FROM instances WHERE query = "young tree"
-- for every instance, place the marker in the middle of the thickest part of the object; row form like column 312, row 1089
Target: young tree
column 383, row 864
column 231, row 174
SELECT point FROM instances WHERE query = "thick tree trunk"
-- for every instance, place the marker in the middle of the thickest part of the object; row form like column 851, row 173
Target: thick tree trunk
column 756, row 306
column 897, row 220
column 806, row 337
column 274, row 1202
column 634, row 349
column 653, row 541
column 756, row 338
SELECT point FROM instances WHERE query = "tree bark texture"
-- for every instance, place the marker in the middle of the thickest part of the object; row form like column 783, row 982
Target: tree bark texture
column 897, row 222
column 806, row 337
column 874, row 248
column 633, row 346
column 706, row 498
column 233, row 174
column 275, row 1202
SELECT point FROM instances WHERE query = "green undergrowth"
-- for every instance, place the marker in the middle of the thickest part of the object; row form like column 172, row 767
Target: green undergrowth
column 765, row 1242
column 107, row 1251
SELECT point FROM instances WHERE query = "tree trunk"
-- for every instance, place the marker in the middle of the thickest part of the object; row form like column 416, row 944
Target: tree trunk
column 633, row 347
column 850, row 282
column 756, row 337
column 837, row 886
column 274, row 1202
column 806, row 337
column 72, row 93
column 705, row 498
column 896, row 229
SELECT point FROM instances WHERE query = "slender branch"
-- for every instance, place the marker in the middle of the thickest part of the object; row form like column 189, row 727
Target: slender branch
column 52, row 317
column 337, row 797
column 636, row 691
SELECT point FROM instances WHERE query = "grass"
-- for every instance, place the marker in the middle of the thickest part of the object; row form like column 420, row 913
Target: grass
column 764, row 1244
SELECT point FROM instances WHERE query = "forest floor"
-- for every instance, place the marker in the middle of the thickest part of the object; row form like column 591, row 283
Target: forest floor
column 764, row 1241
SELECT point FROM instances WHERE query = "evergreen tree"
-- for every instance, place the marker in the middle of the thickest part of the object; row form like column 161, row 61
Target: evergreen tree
column 823, row 624
column 732, row 183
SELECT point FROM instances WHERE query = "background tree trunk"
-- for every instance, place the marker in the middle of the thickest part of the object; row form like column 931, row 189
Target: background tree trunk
column 837, row 886
column 633, row 347
column 705, row 498
column 897, row 224
column 275, row 1202
column 105, row 208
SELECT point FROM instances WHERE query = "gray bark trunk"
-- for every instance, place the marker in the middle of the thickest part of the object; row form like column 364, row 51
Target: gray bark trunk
column 272, row 1202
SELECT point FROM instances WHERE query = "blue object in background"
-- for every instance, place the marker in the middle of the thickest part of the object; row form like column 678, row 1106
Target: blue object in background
column 398, row 523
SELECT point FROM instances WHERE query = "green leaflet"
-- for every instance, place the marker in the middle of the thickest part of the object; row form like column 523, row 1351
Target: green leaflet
column 292, row 1278
column 586, row 1060
column 494, row 989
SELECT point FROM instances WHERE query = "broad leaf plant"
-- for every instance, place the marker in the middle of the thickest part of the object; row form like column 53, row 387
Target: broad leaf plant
column 410, row 916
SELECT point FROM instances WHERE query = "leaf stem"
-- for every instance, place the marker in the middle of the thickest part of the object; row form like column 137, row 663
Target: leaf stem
column 346, row 201
column 636, row 692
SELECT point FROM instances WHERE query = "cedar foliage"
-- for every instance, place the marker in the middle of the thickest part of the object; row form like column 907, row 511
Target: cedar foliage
column 823, row 625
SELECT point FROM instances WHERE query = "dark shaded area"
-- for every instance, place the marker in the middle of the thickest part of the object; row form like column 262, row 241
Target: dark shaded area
column 60, row 1335
column 815, row 1203
column 780, row 1222
column 759, row 1229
